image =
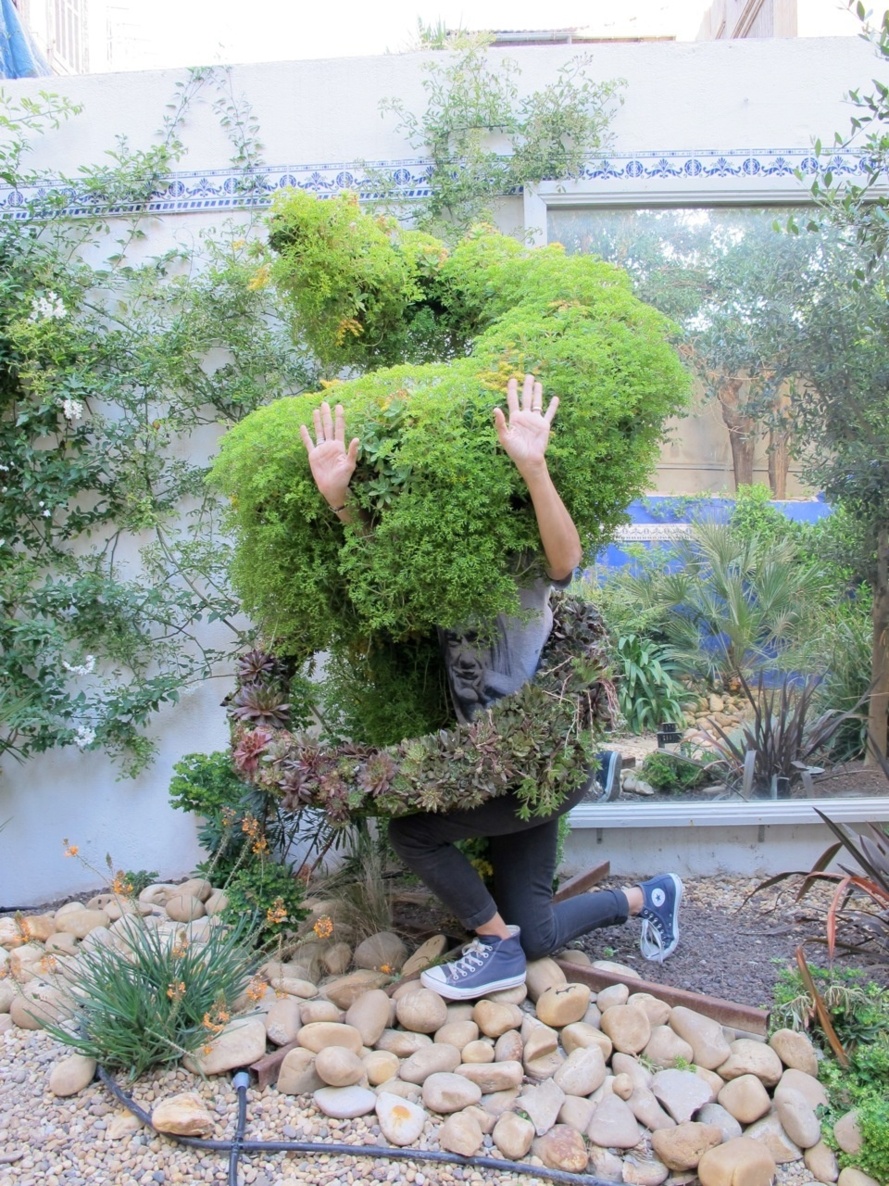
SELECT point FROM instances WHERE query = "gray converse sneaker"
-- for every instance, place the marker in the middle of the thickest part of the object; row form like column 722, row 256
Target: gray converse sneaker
column 660, row 916
column 487, row 964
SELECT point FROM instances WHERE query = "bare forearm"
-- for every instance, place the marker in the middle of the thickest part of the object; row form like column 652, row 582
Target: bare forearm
column 558, row 534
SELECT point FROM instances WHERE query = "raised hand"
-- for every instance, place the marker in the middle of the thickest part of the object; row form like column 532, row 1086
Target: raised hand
column 331, row 463
column 525, row 434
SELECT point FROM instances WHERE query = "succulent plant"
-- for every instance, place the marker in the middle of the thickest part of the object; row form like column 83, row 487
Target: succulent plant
column 260, row 704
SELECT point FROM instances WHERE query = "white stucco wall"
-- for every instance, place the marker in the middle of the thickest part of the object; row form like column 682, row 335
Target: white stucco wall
column 746, row 99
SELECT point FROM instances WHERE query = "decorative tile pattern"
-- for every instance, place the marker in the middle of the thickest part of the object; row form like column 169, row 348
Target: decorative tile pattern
column 228, row 189
column 650, row 532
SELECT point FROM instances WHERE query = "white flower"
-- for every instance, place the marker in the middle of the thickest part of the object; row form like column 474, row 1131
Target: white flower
column 86, row 668
column 50, row 306
column 47, row 514
column 72, row 409
column 85, row 736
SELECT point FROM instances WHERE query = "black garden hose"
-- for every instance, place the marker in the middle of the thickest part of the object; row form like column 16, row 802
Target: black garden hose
column 238, row 1145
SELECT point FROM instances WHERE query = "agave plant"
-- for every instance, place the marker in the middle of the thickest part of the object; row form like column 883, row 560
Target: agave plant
column 780, row 739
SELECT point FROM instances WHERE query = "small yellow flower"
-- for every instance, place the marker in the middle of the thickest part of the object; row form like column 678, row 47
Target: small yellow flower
column 260, row 847
column 176, row 990
column 239, row 244
column 180, row 947
column 386, row 968
column 260, row 278
column 323, row 928
column 71, row 850
column 348, row 326
column 229, row 815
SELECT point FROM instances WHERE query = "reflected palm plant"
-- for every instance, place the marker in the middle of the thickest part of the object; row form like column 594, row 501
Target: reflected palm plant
column 730, row 605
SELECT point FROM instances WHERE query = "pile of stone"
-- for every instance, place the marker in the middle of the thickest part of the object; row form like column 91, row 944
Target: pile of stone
column 614, row 1083
column 724, row 708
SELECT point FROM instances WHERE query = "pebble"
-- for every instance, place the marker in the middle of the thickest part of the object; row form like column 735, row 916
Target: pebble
column 61, row 1141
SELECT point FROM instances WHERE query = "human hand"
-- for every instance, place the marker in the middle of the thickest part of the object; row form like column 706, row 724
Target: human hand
column 526, row 434
column 331, row 463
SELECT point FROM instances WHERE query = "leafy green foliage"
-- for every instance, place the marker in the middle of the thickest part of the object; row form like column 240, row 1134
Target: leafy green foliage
column 538, row 743
column 858, row 1010
column 726, row 603
column 446, row 512
column 267, row 892
column 139, row 879
column 484, row 140
column 111, row 364
column 157, row 997
column 647, row 689
column 247, row 837
column 679, row 770
column 753, row 516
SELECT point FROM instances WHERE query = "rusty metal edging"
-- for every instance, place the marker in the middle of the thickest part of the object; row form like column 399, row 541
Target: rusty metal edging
column 730, row 1013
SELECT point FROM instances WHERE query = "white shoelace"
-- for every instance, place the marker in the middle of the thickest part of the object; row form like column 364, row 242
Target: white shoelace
column 474, row 955
column 651, row 942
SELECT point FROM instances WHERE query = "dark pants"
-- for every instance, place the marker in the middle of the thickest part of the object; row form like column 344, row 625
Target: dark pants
column 523, row 854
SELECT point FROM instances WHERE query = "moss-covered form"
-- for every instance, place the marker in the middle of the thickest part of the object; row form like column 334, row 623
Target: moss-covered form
column 446, row 514
column 539, row 743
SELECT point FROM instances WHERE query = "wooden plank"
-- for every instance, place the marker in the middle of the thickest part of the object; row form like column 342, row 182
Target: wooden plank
column 266, row 1068
column 730, row 1013
column 583, row 881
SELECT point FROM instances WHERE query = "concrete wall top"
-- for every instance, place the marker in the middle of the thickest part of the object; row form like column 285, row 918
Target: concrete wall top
column 679, row 95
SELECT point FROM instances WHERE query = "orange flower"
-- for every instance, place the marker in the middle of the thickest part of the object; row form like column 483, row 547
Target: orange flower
column 176, row 990
column 222, row 1018
column 256, row 989
column 276, row 913
column 323, row 928
column 260, row 847
column 71, row 850
column 121, row 886
column 250, row 826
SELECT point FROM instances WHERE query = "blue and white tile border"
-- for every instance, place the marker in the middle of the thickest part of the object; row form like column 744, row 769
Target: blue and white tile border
column 688, row 175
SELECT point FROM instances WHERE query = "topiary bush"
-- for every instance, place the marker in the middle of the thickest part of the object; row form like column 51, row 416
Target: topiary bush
column 446, row 518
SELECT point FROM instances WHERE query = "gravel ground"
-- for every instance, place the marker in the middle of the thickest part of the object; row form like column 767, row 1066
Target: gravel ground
column 730, row 945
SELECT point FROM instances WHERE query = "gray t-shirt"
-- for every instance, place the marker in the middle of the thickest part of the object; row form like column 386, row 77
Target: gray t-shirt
column 481, row 672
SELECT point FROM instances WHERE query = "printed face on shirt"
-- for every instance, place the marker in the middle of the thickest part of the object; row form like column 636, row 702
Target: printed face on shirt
column 477, row 670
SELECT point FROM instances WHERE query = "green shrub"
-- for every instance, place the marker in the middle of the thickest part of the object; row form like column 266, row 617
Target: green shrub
column 753, row 517
column 647, row 689
column 243, row 831
column 448, row 512
column 268, row 893
column 674, row 770
column 859, row 1013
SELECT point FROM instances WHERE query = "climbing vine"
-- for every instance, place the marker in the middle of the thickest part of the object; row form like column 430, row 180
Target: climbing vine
column 486, row 140
column 112, row 561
